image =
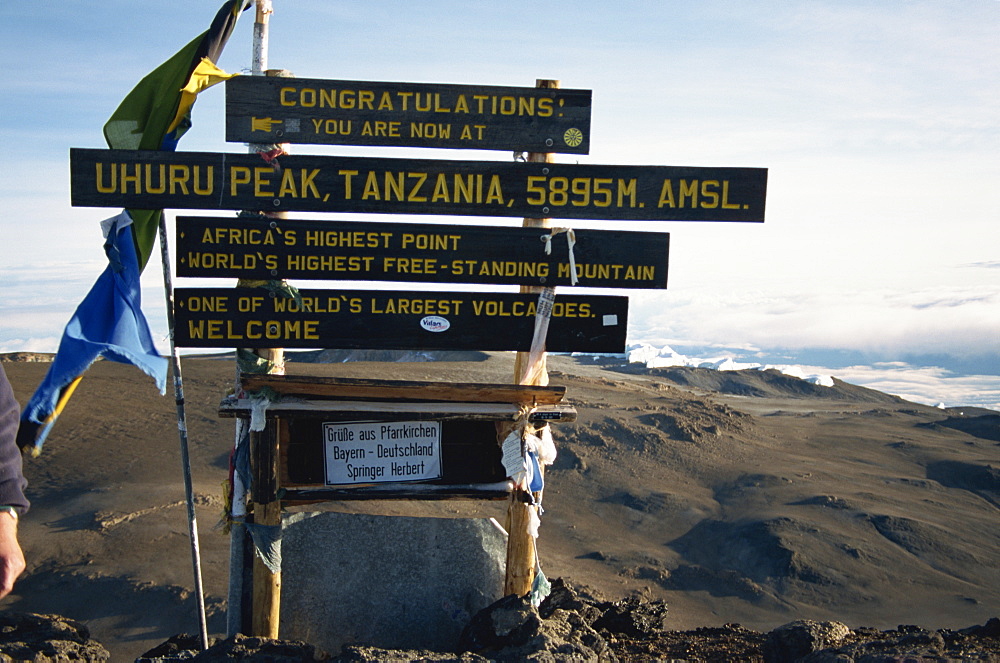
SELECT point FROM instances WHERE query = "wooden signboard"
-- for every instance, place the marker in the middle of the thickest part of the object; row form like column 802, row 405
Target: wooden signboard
column 202, row 180
column 329, row 112
column 400, row 320
column 264, row 248
column 321, row 452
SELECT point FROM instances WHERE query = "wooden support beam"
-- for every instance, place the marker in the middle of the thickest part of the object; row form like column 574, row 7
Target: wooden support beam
column 264, row 454
column 521, row 559
column 266, row 585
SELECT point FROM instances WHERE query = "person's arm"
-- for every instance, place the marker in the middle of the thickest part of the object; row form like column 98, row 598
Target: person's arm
column 12, row 483
column 11, row 557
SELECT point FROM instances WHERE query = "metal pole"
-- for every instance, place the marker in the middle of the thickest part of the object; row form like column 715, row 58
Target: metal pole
column 168, row 289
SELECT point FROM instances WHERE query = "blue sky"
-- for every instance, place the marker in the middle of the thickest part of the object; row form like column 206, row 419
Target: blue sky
column 879, row 124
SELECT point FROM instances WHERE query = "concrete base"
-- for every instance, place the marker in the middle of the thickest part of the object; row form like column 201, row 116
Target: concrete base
column 392, row 582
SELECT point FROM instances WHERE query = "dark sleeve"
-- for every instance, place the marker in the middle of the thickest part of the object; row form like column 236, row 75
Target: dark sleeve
column 12, row 480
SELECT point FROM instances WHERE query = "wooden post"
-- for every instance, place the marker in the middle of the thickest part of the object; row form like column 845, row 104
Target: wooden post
column 520, row 546
column 267, row 511
column 266, row 599
column 266, row 586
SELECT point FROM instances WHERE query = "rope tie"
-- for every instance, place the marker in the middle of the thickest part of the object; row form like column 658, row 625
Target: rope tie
column 570, row 241
column 260, row 400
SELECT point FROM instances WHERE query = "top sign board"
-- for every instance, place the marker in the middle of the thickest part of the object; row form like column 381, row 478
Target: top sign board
column 263, row 109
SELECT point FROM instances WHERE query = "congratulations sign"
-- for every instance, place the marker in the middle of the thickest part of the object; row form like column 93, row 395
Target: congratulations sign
column 263, row 109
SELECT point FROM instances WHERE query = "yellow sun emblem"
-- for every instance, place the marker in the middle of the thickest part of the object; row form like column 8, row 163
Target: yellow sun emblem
column 573, row 137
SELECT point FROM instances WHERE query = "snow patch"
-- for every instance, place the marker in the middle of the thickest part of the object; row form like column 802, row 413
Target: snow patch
column 652, row 357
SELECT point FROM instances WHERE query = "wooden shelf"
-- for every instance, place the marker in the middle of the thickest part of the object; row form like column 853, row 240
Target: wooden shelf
column 396, row 411
column 383, row 390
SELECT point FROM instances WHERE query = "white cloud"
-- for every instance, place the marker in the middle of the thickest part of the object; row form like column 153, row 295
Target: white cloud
column 927, row 385
column 953, row 321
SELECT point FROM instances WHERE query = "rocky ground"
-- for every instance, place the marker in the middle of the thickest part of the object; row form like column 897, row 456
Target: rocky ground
column 742, row 497
column 565, row 627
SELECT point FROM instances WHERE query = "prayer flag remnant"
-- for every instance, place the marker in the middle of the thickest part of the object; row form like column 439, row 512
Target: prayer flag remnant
column 265, row 248
column 205, row 180
column 482, row 117
column 398, row 320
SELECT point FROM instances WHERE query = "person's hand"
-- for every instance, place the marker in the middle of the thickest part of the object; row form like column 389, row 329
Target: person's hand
column 11, row 557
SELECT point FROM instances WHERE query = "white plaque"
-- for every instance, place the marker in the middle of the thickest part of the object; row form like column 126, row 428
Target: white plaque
column 382, row 451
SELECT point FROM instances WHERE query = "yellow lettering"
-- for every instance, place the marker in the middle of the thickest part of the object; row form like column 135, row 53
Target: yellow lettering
column 179, row 176
column 288, row 184
column 413, row 197
column 101, row 186
column 463, row 189
column 725, row 197
column 689, row 190
column 238, row 175
column 438, row 108
column 260, row 181
column 441, row 191
column 308, row 182
column 626, row 188
column 393, row 185
column 209, row 186
column 494, row 195
column 348, row 175
column 710, row 197
column 149, row 179
column 667, row 194
column 371, row 187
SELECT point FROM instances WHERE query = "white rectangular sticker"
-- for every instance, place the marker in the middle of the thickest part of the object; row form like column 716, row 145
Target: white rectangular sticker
column 382, row 451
